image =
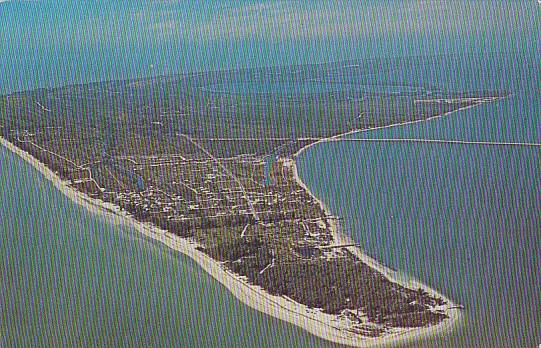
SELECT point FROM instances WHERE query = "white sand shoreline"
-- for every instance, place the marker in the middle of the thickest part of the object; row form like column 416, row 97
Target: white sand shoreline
column 313, row 321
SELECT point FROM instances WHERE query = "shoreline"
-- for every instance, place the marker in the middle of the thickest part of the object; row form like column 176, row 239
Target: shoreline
column 323, row 325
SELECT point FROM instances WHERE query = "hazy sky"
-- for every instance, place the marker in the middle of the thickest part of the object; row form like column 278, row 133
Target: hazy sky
column 108, row 38
column 98, row 23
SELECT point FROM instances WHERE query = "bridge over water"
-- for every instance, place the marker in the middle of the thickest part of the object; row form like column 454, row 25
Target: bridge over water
column 437, row 141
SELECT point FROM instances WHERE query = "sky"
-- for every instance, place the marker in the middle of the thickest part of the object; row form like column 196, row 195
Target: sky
column 135, row 22
column 94, row 40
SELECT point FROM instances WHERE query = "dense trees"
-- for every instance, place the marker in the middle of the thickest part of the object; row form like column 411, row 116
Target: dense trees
column 336, row 285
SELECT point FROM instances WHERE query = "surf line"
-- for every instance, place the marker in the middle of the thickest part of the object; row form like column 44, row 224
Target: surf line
column 437, row 141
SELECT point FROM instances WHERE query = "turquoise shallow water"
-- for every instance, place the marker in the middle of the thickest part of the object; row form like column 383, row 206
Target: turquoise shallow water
column 71, row 278
column 462, row 219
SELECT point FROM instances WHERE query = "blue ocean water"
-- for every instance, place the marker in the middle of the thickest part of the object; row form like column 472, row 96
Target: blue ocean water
column 462, row 219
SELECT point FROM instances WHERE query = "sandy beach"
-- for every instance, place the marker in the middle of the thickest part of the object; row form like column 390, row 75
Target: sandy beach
column 317, row 323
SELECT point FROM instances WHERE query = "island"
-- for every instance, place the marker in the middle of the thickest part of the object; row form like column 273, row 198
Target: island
column 205, row 163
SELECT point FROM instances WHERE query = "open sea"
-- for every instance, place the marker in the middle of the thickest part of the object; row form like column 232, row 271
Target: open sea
column 463, row 219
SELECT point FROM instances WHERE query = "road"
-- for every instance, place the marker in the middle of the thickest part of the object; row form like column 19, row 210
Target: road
column 228, row 172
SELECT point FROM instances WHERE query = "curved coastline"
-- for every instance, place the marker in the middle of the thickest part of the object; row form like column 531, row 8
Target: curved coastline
column 317, row 323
